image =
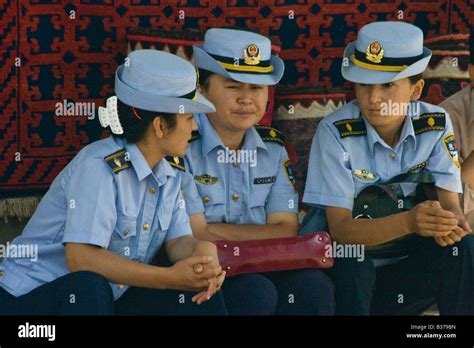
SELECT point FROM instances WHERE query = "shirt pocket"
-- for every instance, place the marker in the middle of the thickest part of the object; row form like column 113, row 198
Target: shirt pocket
column 257, row 202
column 123, row 240
column 213, row 199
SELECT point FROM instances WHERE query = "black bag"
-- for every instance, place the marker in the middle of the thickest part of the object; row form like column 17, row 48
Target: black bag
column 382, row 200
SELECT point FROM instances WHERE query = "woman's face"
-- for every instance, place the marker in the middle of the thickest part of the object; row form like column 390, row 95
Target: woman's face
column 384, row 104
column 239, row 106
column 175, row 141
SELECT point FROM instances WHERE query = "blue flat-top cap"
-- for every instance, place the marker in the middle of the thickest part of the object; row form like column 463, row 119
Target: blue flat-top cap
column 385, row 52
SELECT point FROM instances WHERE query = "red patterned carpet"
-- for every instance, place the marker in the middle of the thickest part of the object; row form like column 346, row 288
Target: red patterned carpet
column 70, row 50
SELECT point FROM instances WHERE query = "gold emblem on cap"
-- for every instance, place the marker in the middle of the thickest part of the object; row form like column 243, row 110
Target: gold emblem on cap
column 349, row 127
column 374, row 52
column 252, row 55
column 272, row 133
column 431, row 121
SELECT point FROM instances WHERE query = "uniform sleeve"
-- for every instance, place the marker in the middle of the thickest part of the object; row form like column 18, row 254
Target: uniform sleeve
column 191, row 195
column 283, row 196
column 454, row 117
column 329, row 181
column 91, row 214
column 457, row 131
column 179, row 225
column 444, row 161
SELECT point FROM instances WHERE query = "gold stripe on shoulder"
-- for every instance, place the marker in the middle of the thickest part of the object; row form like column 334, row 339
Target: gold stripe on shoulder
column 118, row 160
column 270, row 134
column 176, row 162
column 350, row 127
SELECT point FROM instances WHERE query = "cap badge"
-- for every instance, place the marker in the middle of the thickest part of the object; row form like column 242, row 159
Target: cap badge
column 374, row 52
column 252, row 55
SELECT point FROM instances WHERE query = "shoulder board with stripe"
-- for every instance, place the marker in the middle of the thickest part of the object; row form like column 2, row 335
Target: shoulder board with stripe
column 429, row 122
column 118, row 161
column 195, row 135
column 176, row 162
column 351, row 127
column 270, row 134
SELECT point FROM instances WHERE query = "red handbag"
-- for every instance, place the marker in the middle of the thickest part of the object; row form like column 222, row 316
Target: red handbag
column 275, row 254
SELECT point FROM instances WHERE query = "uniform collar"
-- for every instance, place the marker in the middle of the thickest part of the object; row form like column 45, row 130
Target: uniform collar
column 210, row 139
column 160, row 172
column 407, row 132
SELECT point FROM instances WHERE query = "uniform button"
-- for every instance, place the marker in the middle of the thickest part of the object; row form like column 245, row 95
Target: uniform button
column 235, row 196
column 146, row 227
column 392, row 156
column 205, row 199
column 234, row 164
column 153, row 190
column 121, row 286
column 125, row 231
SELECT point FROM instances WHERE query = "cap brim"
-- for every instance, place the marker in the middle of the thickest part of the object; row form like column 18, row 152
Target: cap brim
column 354, row 73
column 151, row 102
column 204, row 61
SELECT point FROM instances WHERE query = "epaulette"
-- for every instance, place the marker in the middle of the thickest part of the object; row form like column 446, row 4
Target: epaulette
column 429, row 122
column 177, row 162
column 270, row 134
column 118, row 161
column 351, row 127
column 195, row 135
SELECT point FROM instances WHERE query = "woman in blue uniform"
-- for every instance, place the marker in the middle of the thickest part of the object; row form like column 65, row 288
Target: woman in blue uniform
column 367, row 166
column 115, row 204
column 239, row 183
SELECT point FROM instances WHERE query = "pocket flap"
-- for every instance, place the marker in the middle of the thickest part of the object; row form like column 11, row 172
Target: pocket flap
column 126, row 227
column 211, row 195
column 257, row 199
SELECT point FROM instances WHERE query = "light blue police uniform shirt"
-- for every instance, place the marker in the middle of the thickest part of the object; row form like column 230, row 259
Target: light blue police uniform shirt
column 130, row 212
column 242, row 193
column 335, row 160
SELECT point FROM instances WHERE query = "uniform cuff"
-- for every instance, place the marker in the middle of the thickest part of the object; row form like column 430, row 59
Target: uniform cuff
column 179, row 230
column 195, row 208
column 83, row 239
column 448, row 183
column 282, row 203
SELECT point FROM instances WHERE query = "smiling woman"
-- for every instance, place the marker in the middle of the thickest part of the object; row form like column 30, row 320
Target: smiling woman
column 249, row 198
column 241, row 105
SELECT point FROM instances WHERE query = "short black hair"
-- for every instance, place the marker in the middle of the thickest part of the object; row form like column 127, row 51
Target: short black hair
column 134, row 128
column 415, row 78
column 204, row 76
